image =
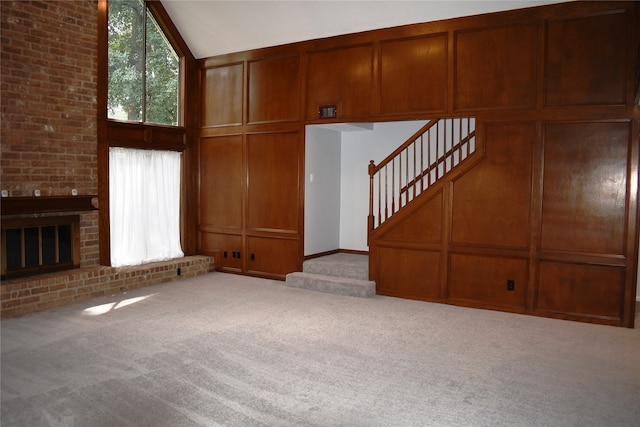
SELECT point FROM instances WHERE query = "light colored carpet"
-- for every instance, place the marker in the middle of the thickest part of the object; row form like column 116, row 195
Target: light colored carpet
column 228, row 350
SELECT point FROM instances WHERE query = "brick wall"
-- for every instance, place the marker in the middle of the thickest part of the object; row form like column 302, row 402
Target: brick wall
column 45, row 291
column 48, row 79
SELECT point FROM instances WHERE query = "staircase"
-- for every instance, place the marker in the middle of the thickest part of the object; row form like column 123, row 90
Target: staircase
column 425, row 158
column 341, row 273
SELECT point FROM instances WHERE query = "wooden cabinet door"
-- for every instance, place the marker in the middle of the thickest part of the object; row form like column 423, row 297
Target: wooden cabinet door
column 273, row 203
column 272, row 257
column 221, row 182
column 273, row 199
column 221, row 222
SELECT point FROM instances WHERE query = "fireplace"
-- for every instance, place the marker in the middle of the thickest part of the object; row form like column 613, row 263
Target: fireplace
column 37, row 236
column 39, row 245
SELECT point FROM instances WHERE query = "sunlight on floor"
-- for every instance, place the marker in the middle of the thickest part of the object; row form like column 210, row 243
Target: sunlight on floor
column 97, row 310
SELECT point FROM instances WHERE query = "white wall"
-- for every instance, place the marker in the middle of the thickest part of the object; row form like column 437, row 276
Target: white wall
column 344, row 175
column 358, row 148
column 322, row 195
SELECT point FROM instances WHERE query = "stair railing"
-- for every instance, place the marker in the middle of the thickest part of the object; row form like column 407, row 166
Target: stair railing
column 423, row 159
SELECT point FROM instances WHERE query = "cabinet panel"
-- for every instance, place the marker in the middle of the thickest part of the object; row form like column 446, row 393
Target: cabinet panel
column 410, row 273
column 483, row 280
column 341, row 77
column 274, row 90
column 225, row 248
column 584, row 199
column 588, row 290
column 413, row 75
column 222, row 95
column 272, row 256
column 273, row 161
column 491, row 202
column 424, row 225
column 221, row 181
column 586, row 60
column 496, row 68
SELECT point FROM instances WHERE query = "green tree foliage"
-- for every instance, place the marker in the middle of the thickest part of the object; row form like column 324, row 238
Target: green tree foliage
column 144, row 69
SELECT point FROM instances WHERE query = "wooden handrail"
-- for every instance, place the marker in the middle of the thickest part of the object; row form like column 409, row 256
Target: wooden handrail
column 399, row 178
column 437, row 163
column 407, row 143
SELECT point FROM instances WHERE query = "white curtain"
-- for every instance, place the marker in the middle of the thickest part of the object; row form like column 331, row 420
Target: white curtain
column 144, row 205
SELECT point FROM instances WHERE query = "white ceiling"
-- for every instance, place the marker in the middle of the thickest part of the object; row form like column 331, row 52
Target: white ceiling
column 216, row 27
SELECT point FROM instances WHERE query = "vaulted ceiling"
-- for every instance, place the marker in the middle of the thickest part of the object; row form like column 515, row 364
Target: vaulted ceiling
column 215, row 27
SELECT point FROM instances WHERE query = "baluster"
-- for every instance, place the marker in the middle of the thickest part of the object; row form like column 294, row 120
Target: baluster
column 379, row 197
column 406, row 173
column 393, row 186
column 468, row 133
column 459, row 150
column 437, row 151
column 421, row 163
column 371, row 220
column 450, row 140
column 415, row 175
column 386, row 192
column 429, row 157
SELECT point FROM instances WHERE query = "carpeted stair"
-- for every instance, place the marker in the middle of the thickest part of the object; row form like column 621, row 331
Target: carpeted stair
column 341, row 273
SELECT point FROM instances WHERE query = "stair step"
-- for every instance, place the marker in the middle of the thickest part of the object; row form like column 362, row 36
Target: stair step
column 331, row 284
column 340, row 265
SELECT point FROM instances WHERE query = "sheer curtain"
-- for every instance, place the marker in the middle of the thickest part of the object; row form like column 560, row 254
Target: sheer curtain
column 144, row 205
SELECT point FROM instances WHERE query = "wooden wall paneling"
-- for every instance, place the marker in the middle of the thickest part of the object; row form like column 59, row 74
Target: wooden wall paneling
column 633, row 233
column 274, row 164
column 496, row 67
column 492, row 201
column 552, row 207
column 127, row 134
column 342, row 77
column 408, row 272
column 586, row 59
column 273, row 257
column 274, row 89
column 413, row 75
column 222, row 100
column 227, row 250
column 581, row 291
column 221, row 182
column 585, row 193
column 424, row 225
column 536, row 215
column 165, row 137
column 482, row 281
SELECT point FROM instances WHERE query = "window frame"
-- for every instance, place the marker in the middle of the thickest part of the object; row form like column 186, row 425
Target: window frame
column 181, row 58
column 129, row 134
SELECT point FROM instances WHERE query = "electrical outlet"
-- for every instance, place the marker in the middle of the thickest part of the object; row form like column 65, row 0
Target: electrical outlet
column 511, row 285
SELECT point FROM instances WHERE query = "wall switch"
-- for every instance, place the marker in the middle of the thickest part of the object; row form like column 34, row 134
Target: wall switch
column 311, row 177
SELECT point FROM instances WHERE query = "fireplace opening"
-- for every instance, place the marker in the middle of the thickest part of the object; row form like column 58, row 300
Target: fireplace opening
column 40, row 245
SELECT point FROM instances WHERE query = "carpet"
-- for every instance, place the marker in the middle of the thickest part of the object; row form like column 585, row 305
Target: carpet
column 230, row 350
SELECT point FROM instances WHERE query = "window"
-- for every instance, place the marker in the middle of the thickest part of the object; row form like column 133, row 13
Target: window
column 144, row 205
column 144, row 69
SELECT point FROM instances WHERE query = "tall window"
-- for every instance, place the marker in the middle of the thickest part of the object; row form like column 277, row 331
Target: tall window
column 144, row 185
column 144, row 69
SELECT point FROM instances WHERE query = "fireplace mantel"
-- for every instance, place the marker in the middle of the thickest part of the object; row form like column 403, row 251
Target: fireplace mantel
column 46, row 204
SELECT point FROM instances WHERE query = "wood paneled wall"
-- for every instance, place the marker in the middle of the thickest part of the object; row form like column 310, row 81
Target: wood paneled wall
column 551, row 205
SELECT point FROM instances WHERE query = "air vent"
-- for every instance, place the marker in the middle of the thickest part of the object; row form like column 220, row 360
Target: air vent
column 327, row 112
